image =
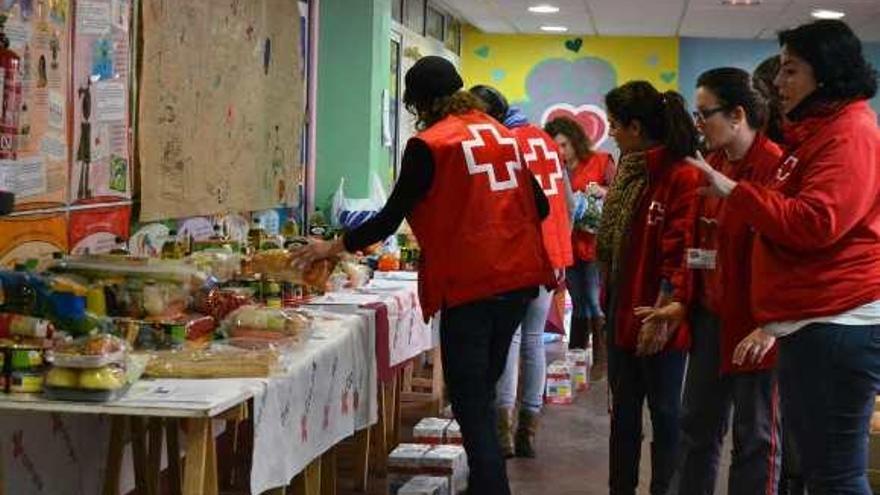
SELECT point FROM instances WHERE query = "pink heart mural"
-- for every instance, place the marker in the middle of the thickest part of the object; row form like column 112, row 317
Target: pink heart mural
column 592, row 119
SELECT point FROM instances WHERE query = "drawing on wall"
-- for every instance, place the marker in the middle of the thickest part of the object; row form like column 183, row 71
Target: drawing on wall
column 236, row 147
column 32, row 237
column 94, row 231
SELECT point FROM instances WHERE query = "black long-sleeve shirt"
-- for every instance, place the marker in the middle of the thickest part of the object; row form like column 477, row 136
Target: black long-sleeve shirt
column 414, row 182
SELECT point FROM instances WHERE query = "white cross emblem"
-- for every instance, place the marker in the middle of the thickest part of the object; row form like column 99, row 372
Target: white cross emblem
column 538, row 165
column 511, row 161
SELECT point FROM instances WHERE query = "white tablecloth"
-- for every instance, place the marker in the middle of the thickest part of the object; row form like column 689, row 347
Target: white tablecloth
column 329, row 394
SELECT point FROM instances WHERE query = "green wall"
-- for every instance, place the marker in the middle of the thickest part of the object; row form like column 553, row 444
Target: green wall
column 354, row 56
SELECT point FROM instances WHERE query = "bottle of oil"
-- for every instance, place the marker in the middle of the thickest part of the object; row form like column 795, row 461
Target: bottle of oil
column 172, row 249
column 318, row 227
column 256, row 235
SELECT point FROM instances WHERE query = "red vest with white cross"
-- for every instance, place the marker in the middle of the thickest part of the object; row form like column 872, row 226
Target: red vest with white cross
column 478, row 225
column 541, row 156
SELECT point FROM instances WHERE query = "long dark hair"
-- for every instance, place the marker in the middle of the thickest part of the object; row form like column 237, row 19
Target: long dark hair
column 663, row 116
column 582, row 145
column 733, row 88
column 835, row 54
column 429, row 113
column 496, row 103
column 762, row 80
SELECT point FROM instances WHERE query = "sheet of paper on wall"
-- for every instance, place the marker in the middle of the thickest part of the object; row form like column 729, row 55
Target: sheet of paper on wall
column 56, row 110
column 18, row 33
column 53, row 147
column 110, row 101
column 92, row 17
column 119, row 13
column 101, row 145
column 25, row 177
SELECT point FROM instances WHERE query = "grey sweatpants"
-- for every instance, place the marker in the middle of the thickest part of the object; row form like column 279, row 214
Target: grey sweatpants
column 708, row 401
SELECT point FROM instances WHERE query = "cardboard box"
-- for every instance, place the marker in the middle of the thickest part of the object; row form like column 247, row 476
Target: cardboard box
column 453, row 433
column 580, row 369
column 425, row 485
column 410, row 460
column 431, row 431
column 559, row 389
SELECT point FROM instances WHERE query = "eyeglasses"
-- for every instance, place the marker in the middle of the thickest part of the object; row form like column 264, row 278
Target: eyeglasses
column 704, row 115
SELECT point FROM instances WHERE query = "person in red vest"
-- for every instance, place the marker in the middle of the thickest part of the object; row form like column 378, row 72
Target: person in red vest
column 541, row 156
column 816, row 257
column 476, row 212
column 731, row 364
column 590, row 172
column 648, row 217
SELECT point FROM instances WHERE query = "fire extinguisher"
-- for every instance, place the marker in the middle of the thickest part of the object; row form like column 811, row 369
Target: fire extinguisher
column 10, row 92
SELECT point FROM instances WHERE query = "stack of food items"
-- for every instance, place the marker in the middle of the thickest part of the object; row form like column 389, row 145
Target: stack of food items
column 437, row 431
column 89, row 369
column 410, row 460
column 559, row 387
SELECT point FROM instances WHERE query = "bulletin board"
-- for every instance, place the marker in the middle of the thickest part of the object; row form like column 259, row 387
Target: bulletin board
column 220, row 108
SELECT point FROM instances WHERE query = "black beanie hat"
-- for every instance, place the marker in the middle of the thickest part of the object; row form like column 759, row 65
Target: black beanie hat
column 431, row 78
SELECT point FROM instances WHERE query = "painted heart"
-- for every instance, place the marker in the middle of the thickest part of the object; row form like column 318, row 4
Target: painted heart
column 482, row 52
column 498, row 75
column 574, row 45
column 653, row 60
column 668, row 77
column 592, row 119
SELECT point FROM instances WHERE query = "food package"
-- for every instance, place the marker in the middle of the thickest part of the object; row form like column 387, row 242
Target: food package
column 94, row 351
column 103, row 384
column 13, row 325
column 168, row 334
column 219, row 302
column 280, row 265
column 447, row 461
column 425, row 485
column 25, row 382
column 559, row 390
column 579, row 367
column 129, row 268
column 233, row 358
column 453, row 433
column 431, row 431
column 289, row 326
column 221, row 264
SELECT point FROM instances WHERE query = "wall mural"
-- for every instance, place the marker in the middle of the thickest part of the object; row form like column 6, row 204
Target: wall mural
column 552, row 76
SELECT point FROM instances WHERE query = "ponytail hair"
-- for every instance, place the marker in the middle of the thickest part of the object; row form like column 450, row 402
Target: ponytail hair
column 663, row 116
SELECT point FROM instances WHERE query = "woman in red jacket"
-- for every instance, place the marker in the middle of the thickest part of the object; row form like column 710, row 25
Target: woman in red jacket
column 816, row 260
column 589, row 172
column 730, row 114
column 649, row 215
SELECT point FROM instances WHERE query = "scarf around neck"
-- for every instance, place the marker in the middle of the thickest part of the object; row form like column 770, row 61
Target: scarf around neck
column 620, row 205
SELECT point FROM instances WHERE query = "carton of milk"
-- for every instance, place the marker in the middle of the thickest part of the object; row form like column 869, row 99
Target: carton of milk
column 578, row 363
column 425, row 485
column 559, row 389
column 431, row 431
column 446, row 461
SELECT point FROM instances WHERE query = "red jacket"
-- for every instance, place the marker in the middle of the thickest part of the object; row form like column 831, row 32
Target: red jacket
column 480, row 204
column 725, row 290
column 818, row 248
column 541, row 155
column 660, row 233
column 599, row 168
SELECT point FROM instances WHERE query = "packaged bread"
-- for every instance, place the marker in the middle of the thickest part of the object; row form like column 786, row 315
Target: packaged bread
column 268, row 324
column 280, row 264
column 235, row 358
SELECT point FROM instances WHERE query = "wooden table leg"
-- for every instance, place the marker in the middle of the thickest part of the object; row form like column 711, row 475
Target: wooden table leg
column 114, row 455
column 154, row 455
column 328, row 472
column 172, row 443
column 379, row 436
column 395, row 425
column 361, row 460
column 437, row 382
column 139, row 454
column 308, row 482
column 201, row 458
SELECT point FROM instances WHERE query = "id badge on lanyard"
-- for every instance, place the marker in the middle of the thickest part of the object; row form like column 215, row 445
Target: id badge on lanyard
column 702, row 259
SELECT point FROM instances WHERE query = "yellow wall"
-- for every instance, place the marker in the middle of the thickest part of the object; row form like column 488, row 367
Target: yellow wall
column 536, row 72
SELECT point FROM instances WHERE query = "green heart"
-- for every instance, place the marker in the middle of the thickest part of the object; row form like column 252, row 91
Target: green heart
column 498, row 75
column 668, row 77
column 574, row 45
column 482, row 52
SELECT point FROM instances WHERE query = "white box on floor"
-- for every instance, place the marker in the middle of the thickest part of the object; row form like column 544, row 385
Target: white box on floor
column 559, row 390
column 425, row 485
column 451, row 461
column 409, row 460
column 579, row 367
column 431, row 431
column 453, row 433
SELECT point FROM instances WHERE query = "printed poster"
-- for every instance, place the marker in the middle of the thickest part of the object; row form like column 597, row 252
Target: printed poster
column 32, row 237
column 101, row 147
column 33, row 160
column 219, row 133
column 94, row 231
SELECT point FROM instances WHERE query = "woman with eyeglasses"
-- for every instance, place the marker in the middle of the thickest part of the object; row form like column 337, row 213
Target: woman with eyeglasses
column 816, row 259
column 648, row 216
column 731, row 361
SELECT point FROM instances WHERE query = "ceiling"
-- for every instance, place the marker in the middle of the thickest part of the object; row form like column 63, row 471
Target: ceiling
column 696, row 18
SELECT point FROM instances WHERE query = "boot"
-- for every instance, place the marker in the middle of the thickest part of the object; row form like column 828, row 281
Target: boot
column 505, row 432
column 580, row 327
column 526, row 431
column 599, row 370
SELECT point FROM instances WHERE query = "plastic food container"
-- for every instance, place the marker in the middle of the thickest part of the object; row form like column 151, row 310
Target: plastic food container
column 91, row 352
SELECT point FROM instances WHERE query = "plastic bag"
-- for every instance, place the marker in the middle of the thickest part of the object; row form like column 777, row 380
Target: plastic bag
column 261, row 324
column 234, row 358
column 348, row 213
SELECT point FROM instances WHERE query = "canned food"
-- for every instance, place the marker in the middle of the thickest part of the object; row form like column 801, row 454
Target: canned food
column 25, row 358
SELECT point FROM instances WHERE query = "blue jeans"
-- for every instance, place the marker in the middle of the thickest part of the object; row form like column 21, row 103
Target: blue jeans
column 584, row 286
column 829, row 377
column 633, row 379
column 527, row 346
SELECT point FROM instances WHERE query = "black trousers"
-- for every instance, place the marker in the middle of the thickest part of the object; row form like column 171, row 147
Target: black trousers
column 475, row 340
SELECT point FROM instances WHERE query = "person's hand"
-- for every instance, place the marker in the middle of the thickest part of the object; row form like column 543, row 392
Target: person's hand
column 316, row 250
column 658, row 325
column 720, row 185
column 752, row 349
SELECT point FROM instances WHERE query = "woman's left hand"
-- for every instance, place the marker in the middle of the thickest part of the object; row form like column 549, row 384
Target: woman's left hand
column 720, row 185
column 752, row 349
column 658, row 325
